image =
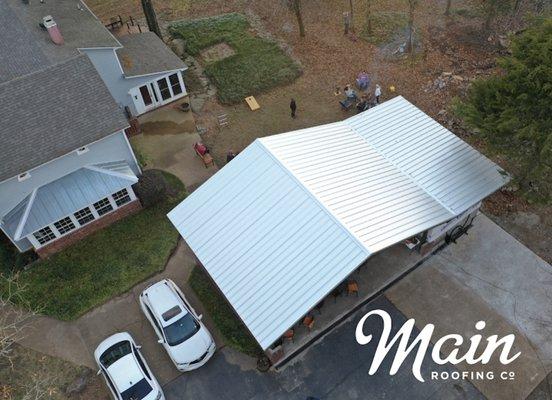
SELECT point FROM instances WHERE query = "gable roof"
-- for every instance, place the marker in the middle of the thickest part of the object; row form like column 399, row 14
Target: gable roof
column 144, row 53
column 294, row 214
column 52, row 112
column 27, row 47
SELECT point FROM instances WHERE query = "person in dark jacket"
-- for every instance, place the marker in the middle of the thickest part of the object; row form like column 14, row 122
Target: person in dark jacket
column 293, row 107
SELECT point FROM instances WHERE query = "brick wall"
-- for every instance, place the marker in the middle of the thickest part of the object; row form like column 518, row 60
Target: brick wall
column 88, row 229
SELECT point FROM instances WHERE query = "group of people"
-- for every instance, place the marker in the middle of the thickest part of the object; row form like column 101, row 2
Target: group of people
column 364, row 102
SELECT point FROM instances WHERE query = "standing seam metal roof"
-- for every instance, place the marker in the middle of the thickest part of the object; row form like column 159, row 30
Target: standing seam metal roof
column 294, row 214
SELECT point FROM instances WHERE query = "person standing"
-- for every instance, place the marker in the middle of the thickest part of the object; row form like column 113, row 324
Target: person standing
column 293, row 107
column 377, row 93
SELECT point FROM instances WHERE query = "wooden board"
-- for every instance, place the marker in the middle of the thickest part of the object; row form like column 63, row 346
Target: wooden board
column 252, row 103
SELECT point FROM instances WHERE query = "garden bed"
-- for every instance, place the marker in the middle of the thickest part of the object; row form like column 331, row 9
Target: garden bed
column 258, row 64
column 105, row 264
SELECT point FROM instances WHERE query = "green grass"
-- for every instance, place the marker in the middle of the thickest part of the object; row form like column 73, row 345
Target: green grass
column 385, row 25
column 258, row 65
column 105, row 264
column 235, row 333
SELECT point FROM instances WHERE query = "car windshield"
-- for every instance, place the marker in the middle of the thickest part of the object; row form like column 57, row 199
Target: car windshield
column 181, row 330
column 114, row 353
column 138, row 391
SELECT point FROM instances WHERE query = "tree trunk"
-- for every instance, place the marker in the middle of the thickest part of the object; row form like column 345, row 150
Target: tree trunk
column 151, row 17
column 447, row 10
column 352, row 16
column 369, row 17
column 297, row 9
column 491, row 14
column 517, row 6
column 410, row 39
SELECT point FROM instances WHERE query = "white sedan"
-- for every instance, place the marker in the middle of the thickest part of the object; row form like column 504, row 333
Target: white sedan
column 179, row 329
column 125, row 370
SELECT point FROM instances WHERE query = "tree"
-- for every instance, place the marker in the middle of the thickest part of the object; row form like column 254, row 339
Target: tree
column 369, row 17
column 297, row 10
column 352, row 15
column 412, row 4
column 512, row 111
column 447, row 9
column 151, row 17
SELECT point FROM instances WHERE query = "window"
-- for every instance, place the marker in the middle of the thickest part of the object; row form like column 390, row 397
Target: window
column 82, row 150
column 24, row 176
column 103, row 206
column 175, row 84
column 164, row 89
column 121, row 197
column 44, row 235
column 64, row 225
column 84, row 216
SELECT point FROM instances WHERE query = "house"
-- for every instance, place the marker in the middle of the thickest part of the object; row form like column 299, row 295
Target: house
column 140, row 71
column 67, row 168
column 67, row 89
column 303, row 210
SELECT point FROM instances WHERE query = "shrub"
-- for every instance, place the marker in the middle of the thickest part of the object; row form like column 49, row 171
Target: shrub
column 152, row 187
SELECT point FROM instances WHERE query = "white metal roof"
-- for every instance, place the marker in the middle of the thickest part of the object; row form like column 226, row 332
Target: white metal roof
column 294, row 214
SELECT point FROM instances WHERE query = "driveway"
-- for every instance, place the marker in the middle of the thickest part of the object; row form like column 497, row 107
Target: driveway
column 336, row 367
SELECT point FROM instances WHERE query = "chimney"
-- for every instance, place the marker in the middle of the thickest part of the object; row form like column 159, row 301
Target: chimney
column 53, row 30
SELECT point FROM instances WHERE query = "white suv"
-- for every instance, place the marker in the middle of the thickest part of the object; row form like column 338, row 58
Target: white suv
column 178, row 327
column 125, row 371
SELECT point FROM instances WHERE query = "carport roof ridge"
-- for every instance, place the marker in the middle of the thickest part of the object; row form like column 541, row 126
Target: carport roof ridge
column 294, row 214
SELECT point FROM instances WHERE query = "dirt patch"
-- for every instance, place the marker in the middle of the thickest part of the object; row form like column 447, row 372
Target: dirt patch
column 166, row 127
column 217, row 52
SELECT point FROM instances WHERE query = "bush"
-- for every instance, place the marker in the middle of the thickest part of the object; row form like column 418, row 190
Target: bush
column 152, row 187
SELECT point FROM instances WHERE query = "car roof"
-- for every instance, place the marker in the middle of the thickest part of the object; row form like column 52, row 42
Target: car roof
column 125, row 372
column 162, row 298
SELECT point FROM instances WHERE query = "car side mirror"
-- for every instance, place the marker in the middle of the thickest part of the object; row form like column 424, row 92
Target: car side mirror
column 138, row 347
column 160, row 341
column 200, row 317
column 99, row 372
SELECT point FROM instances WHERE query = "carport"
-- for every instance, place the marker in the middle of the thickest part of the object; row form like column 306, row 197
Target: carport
column 290, row 219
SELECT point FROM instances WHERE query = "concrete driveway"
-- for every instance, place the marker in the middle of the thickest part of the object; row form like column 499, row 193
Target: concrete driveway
column 488, row 275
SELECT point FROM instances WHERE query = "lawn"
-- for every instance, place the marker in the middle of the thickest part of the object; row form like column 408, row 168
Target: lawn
column 258, row 64
column 105, row 264
column 235, row 333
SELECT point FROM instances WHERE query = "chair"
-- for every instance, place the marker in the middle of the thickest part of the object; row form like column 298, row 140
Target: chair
column 308, row 321
column 352, row 287
column 289, row 334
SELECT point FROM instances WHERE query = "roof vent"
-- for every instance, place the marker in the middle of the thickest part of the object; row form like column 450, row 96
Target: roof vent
column 53, row 30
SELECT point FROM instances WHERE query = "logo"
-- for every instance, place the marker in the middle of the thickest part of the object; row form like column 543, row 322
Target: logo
column 477, row 353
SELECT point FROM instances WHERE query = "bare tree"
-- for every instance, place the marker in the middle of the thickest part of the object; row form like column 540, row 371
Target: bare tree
column 13, row 320
column 151, row 17
column 298, row 14
column 447, row 9
column 369, row 17
column 352, row 16
column 491, row 10
column 412, row 4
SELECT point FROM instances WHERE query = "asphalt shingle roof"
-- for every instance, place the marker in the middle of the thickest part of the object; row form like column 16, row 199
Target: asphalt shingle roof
column 52, row 112
column 145, row 53
column 25, row 47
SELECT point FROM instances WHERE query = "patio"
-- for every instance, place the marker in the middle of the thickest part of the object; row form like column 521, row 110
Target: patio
column 167, row 139
column 372, row 278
